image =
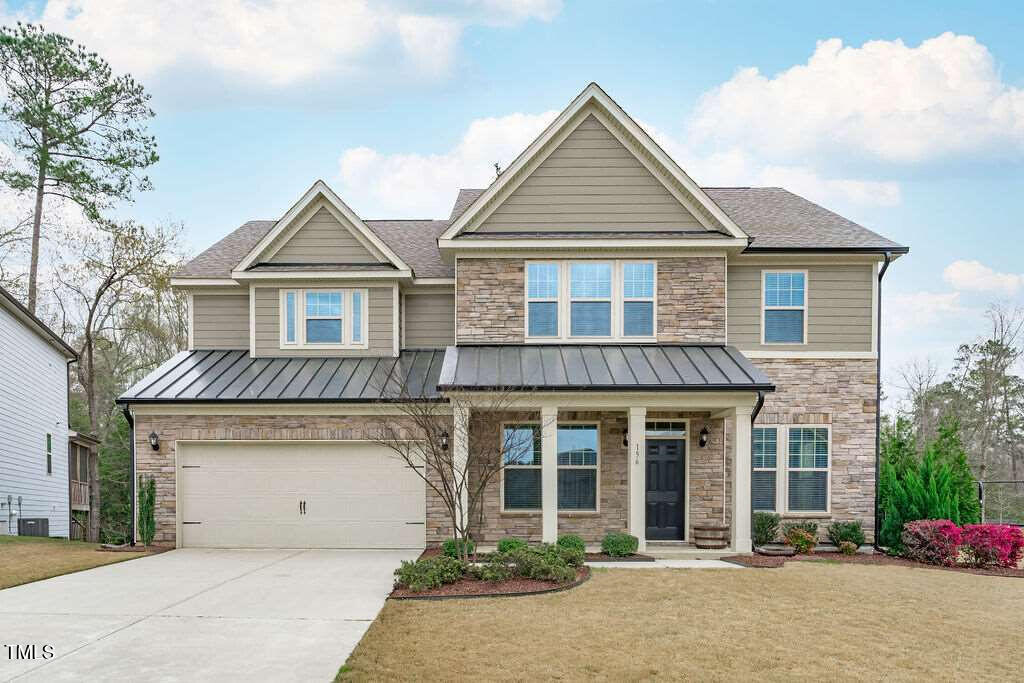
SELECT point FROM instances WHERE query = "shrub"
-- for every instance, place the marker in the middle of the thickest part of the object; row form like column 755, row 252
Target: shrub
column 619, row 544
column 509, row 544
column 933, row 541
column 540, row 563
column 809, row 527
column 452, row 545
column 572, row 541
column 848, row 548
column 494, row 570
column 802, row 540
column 766, row 527
column 992, row 545
column 147, row 510
column 846, row 532
column 428, row 573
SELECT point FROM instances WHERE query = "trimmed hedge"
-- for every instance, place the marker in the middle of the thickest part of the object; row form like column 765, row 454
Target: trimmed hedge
column 619, row 544
column 572, row 541
column 932, row 541
column 428, row 573
column 846, row 532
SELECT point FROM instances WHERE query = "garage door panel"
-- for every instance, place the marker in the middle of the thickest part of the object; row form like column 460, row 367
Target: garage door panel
column 357, row 495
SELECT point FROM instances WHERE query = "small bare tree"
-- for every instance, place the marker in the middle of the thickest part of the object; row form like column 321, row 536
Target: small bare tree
column 427, row 435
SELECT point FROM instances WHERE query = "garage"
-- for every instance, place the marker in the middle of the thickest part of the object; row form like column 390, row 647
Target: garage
column 267, row 494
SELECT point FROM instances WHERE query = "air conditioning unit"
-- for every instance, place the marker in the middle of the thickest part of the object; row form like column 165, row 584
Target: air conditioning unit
column 34, row 526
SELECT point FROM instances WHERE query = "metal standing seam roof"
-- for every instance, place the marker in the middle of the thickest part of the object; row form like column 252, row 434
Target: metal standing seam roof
column 600, row 367
column 233, row 376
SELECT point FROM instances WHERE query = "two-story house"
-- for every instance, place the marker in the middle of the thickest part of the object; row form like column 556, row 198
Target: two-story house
column 685, row 354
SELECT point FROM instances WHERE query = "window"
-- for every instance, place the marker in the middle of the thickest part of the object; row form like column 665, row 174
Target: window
column 638, row 299
column 542, row 299
column 577, row 467
column 324, row 318
column 808, row 469
column 591, row 300
column 521, row 489
column 785, row 307
column 765, row 465
column 49, row 453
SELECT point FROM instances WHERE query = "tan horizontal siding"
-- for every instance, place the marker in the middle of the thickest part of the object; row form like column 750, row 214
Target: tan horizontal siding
column 590, row 182
column 429, row 320
column 323, row 240
column 380, row 326
column 839, row 308
column 220, row 321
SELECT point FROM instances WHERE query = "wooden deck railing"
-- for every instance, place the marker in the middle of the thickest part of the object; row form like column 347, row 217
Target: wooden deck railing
column 79, row 495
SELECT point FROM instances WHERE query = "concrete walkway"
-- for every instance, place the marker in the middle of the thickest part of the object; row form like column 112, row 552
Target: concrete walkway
column 668, row 564
column 283, row 615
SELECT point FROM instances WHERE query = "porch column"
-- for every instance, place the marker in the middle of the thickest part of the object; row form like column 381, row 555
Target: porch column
column 549, row 473
column 636, row 467
column 741, row 481
column 460, row 457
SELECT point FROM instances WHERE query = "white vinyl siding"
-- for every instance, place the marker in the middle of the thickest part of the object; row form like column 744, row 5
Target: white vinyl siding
column 33, row 404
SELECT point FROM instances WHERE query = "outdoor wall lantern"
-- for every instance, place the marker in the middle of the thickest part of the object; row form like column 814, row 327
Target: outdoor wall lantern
column 703, row 440
column 444, row 441
column 625, row 438
column 154, row 441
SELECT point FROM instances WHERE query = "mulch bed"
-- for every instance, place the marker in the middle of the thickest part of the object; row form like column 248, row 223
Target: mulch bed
column 765, row 561
column 605, row 557
column 141, row 549
column 472, row 588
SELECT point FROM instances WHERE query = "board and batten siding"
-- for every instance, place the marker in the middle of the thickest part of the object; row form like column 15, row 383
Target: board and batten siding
column 322, row 239
column 220, row 321
column 380, row 325
column 429, row 320
column 33, row 403
column 839, row 307
column 590, row 182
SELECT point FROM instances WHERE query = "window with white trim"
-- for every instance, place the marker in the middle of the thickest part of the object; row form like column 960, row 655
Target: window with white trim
column 591, row 300
column 784, row 307
column 808, row 461
column 577, row 466
column 323, row 318
column 521, row 475
column 765, row 456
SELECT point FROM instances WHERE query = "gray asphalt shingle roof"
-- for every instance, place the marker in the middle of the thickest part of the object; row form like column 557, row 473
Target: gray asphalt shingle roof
column 774, row 218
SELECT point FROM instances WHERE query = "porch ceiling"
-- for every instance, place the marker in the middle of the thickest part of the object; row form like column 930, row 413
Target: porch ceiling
column 600, row 367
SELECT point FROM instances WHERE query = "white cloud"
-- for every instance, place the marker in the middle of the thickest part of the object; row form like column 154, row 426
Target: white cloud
column 903, row 313
column 882, row 101
column 974, row 276
column 277, row 43
column 424, row 185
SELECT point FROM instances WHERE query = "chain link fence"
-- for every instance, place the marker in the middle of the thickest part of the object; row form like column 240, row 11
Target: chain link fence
column 1002, row 502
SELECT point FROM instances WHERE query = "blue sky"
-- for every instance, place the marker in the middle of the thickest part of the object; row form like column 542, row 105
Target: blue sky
column 912, row 125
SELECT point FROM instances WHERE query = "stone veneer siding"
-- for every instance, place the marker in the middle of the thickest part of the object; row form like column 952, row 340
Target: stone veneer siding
column 490, row 300
column 170, row 428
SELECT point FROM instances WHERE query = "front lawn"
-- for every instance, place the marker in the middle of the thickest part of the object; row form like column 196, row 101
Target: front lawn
column 24, row 559
column 807, row 620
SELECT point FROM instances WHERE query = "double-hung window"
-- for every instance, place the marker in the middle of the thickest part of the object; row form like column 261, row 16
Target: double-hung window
column 323, row 318
column 577, row 467
column 591, row 300
column 784, row 314
column 808, row 469
column 765, row 456
column 521, row 489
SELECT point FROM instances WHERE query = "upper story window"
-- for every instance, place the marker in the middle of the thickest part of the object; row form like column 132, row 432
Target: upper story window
column 784, row 307
column 590, row 300
column 323, row 318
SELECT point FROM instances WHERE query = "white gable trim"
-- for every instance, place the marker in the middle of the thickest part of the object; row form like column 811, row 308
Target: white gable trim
column 289, row 223
column 558, row 130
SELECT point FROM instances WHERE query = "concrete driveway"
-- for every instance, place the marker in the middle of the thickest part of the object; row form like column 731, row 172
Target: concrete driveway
column 198, row 615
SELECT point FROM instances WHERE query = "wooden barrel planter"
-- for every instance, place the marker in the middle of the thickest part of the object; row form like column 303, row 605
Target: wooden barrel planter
column 711, row 536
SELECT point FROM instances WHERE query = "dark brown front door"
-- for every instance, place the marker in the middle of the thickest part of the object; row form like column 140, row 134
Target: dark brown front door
column 665, row 499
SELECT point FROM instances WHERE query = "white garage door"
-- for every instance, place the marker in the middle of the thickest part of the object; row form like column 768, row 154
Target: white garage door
column 297, row 495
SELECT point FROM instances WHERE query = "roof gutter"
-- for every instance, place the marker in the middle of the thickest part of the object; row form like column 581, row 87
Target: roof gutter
column 885, row 251
column 878, row 388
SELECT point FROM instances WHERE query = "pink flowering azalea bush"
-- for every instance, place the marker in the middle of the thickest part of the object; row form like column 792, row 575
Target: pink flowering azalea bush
column 933, row 541
column 992, row 545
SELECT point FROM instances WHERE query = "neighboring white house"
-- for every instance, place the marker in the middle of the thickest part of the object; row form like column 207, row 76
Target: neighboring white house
column 33, row 422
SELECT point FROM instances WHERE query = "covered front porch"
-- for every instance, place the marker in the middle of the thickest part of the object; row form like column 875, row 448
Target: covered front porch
column 657, row 460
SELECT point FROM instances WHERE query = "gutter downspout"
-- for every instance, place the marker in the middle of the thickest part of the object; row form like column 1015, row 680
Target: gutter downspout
column 753, row 418
column 131, row 474
column 71, row 516
column 878, row 390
